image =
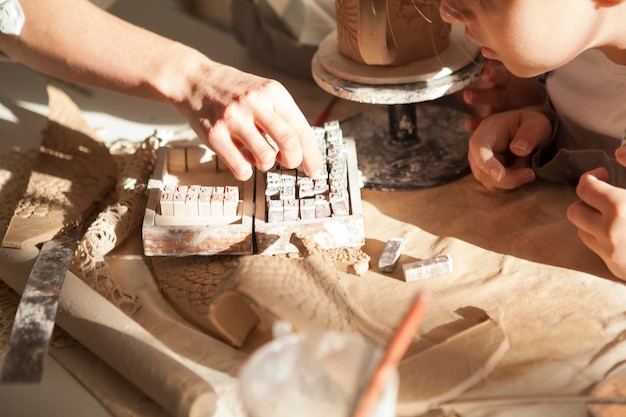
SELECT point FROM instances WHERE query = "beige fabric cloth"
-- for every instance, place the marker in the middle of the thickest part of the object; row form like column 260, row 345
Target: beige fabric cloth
column 515, row 256
column 513, row 253
column 562, row 311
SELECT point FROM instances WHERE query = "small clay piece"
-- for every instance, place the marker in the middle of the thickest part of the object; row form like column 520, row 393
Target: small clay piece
column 360, row 266
column 427, row 268
column 189, row 284
column 232, row 318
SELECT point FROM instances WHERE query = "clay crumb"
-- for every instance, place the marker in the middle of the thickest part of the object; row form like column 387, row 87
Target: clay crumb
column 351, row 260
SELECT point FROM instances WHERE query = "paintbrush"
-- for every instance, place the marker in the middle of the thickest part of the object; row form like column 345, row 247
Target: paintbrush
column 395, row 350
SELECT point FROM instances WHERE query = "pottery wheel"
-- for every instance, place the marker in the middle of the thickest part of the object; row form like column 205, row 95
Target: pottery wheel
column 438, row 156
column 404, row 145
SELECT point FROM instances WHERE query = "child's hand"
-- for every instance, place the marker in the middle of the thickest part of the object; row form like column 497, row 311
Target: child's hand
column 498, row 90
column 500, row 148
column 487, row 95
column 600, row 216
column 620, row 155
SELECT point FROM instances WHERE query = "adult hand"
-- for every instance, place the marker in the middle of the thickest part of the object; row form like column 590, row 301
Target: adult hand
column 230, row 110
column 600, row 216
column 500, row 148
column 227, row 108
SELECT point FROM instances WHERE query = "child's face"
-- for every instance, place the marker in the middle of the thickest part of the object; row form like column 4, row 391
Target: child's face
column 529, row 36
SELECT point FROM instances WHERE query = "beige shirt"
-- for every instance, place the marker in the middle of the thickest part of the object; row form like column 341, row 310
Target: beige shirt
column 589, row 95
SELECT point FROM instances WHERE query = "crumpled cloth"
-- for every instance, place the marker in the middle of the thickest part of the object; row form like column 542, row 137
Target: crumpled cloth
column 563, row 160
column 515, row 256
column 513, row 252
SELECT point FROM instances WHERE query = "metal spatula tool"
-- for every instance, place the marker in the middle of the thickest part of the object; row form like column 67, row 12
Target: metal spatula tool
column 36, row 312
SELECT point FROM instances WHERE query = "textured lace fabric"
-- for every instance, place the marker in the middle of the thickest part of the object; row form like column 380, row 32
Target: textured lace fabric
column 14, row 170
column 122, row 213
column 116, row 217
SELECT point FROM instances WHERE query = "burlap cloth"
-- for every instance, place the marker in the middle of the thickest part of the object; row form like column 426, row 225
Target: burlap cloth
column 515, row 256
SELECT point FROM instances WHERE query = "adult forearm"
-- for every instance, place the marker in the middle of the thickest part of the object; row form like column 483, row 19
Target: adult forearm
column 227, row 108
column 76, row 41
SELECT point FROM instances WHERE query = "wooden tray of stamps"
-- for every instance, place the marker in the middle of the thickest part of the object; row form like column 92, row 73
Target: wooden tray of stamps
column 184, row 217
column 336, row 220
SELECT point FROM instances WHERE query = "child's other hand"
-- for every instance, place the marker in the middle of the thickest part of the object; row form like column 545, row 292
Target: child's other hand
column 500, row 148
column 600, row 216
column 488, row 94
column 498, row 90
column 620, row 155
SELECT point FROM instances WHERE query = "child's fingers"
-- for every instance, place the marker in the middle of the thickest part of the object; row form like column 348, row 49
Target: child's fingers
column 471, row 123
column 494, row 176
column 595, row 192
column 514, row 178
column 495, row 72
column 482, row 154
column 533, row 130
column 620, row 155
column 492, row 97
column 499, row 136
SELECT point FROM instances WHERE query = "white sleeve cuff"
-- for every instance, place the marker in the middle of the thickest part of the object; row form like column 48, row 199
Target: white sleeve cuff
column 11, row 17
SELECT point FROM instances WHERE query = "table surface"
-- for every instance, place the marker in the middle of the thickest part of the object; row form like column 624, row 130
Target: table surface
column 507, row 247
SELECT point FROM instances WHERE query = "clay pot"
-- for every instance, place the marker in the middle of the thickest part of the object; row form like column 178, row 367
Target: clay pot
column 390, row 32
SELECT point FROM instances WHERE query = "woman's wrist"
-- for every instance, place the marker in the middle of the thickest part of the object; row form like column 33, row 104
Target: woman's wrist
column 170, row 73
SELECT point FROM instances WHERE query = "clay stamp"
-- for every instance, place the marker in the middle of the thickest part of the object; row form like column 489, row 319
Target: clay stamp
column 427, row 268
column 391, row 254
column 327, row 207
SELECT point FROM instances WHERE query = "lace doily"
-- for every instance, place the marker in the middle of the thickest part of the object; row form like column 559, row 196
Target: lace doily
column 116, row 217
column 122, row 213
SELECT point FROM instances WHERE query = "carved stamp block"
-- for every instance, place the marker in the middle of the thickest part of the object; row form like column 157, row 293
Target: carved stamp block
column 427, row 268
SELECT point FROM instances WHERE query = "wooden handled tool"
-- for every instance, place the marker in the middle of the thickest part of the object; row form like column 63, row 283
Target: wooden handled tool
column 36, row 312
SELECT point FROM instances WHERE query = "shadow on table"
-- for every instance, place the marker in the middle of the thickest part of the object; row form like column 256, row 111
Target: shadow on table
column 528, row 223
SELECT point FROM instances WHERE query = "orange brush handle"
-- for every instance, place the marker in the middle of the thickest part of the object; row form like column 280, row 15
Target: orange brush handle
column 396, row 348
